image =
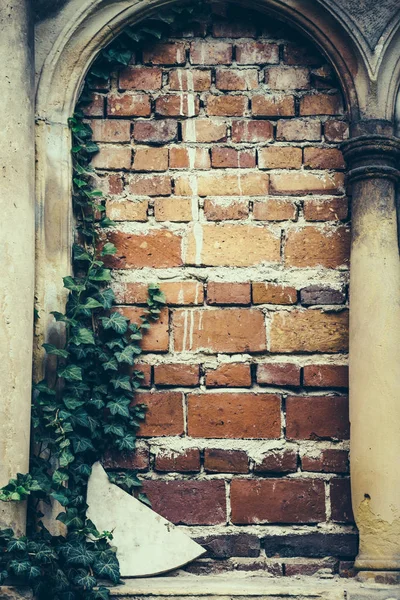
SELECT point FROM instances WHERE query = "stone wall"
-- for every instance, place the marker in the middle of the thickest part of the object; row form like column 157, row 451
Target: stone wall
column 219, row 160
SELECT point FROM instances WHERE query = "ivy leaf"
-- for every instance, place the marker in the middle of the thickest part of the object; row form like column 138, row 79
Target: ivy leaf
column 70, row 373
column 108, row 249
column 106, row 222
column 110, row 365
column 143, row 498
column 83, row 336
column 70, row 518
column 16, row 545
column 59, row 317
column 128, row 442
column 70, row 284
column 117, row 322
column 50, row 349
column 34, row 573
column 81, row 444
column 121, row 382
column 127, row 355
column 84, row 580
column 100, row 275
column 119, row 406
column 106, row 298
column 59, row 477
column 114, row 429
column 80, row 253
column 63, row 499
column 20, row 567
column 79, row 554
column 107, row 568
column 72, row 403
column 91, row 303
column 66, row 457
column 102, row 593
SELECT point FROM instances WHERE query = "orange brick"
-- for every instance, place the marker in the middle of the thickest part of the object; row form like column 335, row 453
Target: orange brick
column 234, row 415
column 177, row 374
column 112, row 157
column 178, row 210
column 253, row 53
column 274, row 210
column 272, row 106
column 278, row 374
column 280, row 157
column 228, row 330
column 187, row 461
column 229, row 375
column 309, row 331
column 336, row 131
column 323, row 158
column 223, row 158
column 298, row 129
column 155, row 132
column 127, row 210
column 230, row 80
column 150, row 159
column 140, row 78
column 190, row 80
column 252, row 131
column 204, row 130
column 164, row 414
column 307, row 182
column 207, row 53
column 288, row 78
column 225, row 461
column 176, row 292
column 222, row 184
column 165, row 53
column 110, row 130
column 177, row 105
column 220, row 210
column 189, row 158
column 158, row 249
column 233, row 246
column 228, row 293
column 227, row 106
column 331, row 209
column 150, row 185
column 321, row 104
column 156, row 339
column 129, row 105
column 272, row 293
column 323, row 376
column 96, row 106
column 311, row 247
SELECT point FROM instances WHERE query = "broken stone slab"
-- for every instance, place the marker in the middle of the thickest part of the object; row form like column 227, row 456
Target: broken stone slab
column 147, row 544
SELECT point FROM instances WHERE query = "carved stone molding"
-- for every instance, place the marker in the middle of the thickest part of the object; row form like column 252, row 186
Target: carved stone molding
column 369, row 156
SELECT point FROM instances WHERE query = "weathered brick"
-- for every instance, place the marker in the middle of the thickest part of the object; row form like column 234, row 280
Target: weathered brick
column 229, row 375
column 223, row 184
column 226, row 106
column 307, row 182
column 327, row 461
column 96, row 107
column 277, row 105
column 341, row 508
column 278, row 374
column 137, row 460
column 222, row 158
column 317, row 294
column 308, row 567
column 323, row 158
column 155, row 132
column 210, row 53
column 177, row 374
column 234, row 29
column 156, row 339
column 164, row 415
column 177, row 105
column 336, row 131
column 225, row 461
column 309, row 331
column 110, row 130
column 112, row 157
column 129, row 105
column 310, row 247
column 301, row 54
column 190, row 80
column 189, row 158
column 127, row 210
column 226, row 546
column 234, row 415
column 274, row 209
column 227, row 330
column 317, row 545
column 233, row 246
column 222, row 210
column 165, row 53
column 321, row 104
column 109, row 183
column 252, row 131
column 271, row 293
column 150, row 185
column 277, row 462
column 159, row 249
column 188, row 502
column 187, row 461
column 289, row 501
column 317, row 417
column 229, row 80
column 140, row 78
column 294, row 130
column 228, row 293
column 280, row 157
column 204, row 130
column 326, row 376
column 150, row 159
column 331, row 209
column 176, row 293
column 253, row 53
column 287, row 78
column 178, row 210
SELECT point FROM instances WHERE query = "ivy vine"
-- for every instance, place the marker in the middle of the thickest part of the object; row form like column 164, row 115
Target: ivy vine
column 84, row 407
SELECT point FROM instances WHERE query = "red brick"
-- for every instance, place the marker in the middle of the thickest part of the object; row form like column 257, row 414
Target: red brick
column 323, row 158
column 177, row 210
column 294, row 130
column 228, row 183
column 185, row 158
column 158, row 249
column 230, row 80
column 234, row 29
column 330, row 209
column 277, row 462
column 190, row 80
column 252, row 131
column 156, row 339
column 228, row 293
column 127, row 210
column 178, row 374
column 268, row 105
column 234, row 415
column 326, row 376
column 341, row 508
column 222, row 158
column 176, row 293
column 150, row 185
column 110, row 130
column 278, row 374
column 156, row 132
column 317, row 417
column 277, row 501
column 137, row 460
column 145, row 369
column 227, row 330
column 177, row 105
column 287, row 78
column 96, row 106
column 150, row 159
column 308, row 567
column 220, row 210
column 188, row 502
column 225, row 461
column 321, row 104
column 164, row 415
column 336, row 131
column 328, row 461
column 187, row 461
column 226, row 106
column 229, row 375
column 165, row 53
column 311, row 247
column 280, row 157
column 210, row 53
column 204, row 130
column 271, row 293
column 109, row 183
column 253, row 53
column 129, row 105
column 112, row 157
column 140, row 78
column 274, row 209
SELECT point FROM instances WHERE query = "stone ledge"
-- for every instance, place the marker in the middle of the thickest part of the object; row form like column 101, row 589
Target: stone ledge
column 15, row 593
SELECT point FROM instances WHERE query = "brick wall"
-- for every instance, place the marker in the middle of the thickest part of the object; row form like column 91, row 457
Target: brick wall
column 220, row 163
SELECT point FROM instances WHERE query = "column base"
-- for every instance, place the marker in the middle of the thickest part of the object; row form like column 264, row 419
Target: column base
column 381, row 577
column 363, row 563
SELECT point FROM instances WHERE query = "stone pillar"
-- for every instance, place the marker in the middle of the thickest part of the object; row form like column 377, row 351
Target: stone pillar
column 375, row 349
column 17, row 246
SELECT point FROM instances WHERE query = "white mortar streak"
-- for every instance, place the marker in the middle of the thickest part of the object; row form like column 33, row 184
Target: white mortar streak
column 185, row 325
column 228, row 502
column 328, row 508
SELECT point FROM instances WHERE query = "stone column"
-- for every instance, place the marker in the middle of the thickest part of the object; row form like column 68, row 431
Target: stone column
column 16, row 246
column 375, row 349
